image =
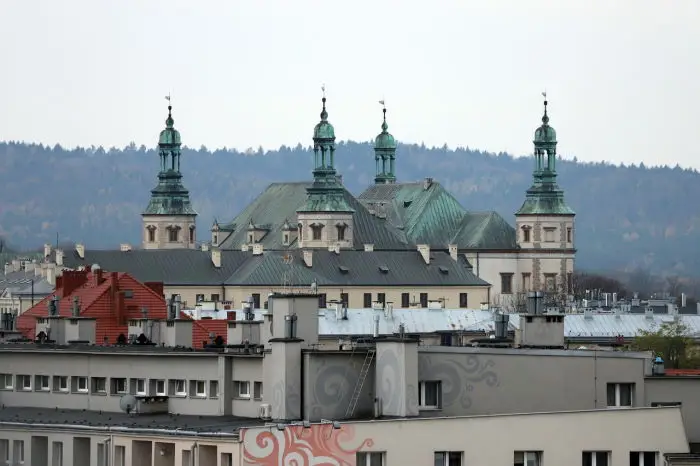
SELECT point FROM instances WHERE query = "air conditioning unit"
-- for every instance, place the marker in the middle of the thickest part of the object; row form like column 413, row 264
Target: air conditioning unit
column 266, row 411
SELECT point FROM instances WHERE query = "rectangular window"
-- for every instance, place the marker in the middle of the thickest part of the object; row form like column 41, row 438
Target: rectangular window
column 6, row 382
column 41, row 383
column 526, row 234
column 256, row 300
column 448, row 458
column 527, row 458
column 120, row 455
column 18, row 451
column 241, row 388
column 140, row 386
column 549, row 234
column 620, row 395
column 569, row 237
column 381, row 297
column 322, row 300
column 199, row 298
column 464, row 300
column 60, row 383
column 506, row 283
column 57, row 454
column 644, row 458
column 367, row 300
column 24, row 382
column 429, row 394
column 369, row 458
column 215, row 297
column 178, row 387
column 4, row 451
column 173, row 235
column 214, row 388
column 81, row 384
column 200, row 388
column 258, row 390
column 595, row 458
column 117, row 385
column 424, row 300
column 160, row 387
column 405, row 300
column 99, row 385
column 345, row 299
column 227, row 459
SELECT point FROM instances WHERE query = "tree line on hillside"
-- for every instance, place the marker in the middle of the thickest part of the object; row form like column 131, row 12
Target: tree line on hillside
column 628, row 217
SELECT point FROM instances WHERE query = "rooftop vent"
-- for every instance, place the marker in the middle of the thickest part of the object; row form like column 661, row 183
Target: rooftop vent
column 383, row 269
column 444, row 270
column 343, row 269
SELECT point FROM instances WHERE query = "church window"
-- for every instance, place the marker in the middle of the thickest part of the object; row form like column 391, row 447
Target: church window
column 173, row 234
column 341, row 231
column 526, row 234
column 192, row 234
column 549, row 234
column 506, row 283
column 568, row 235
column 151, row 233
column 316, row 232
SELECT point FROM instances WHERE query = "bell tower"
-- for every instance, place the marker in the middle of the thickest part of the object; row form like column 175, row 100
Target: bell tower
column 545, row 222
column 326, row 219
column 169, row 221
column 385, row 154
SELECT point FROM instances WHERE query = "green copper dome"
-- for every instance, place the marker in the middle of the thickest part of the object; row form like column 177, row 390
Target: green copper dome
column 545, row 133
column 385, row 140
column 324, row 130
column 169, row 135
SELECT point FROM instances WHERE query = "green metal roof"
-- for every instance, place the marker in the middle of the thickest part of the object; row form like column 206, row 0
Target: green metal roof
column 428, row 214
column 169, row 136
column 280, row 202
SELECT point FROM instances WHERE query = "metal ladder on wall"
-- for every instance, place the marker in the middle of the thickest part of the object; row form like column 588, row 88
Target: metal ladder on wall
column 364, row 370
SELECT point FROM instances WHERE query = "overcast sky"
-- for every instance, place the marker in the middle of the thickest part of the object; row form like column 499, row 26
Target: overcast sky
column 622, row 77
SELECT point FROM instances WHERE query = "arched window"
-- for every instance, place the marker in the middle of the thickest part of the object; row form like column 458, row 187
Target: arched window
column 316, row 231
column 151, row 232
column 342, row 228
column 173, row 233
column 192, row 233
column 301, row 231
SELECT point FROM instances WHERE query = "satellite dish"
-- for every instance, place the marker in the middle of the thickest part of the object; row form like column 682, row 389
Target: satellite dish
column 127, row 403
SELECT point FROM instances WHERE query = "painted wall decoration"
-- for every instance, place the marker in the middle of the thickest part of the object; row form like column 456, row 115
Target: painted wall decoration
column 318, row 445
column 459, row 375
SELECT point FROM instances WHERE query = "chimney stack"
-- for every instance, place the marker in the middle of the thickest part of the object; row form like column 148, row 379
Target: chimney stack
column 80, row 249
column 216, row 257
column 424, row 251
column 75, row 311
column 47, row 250
column 369, row 247
column 453, row 251
column 257, row 249
column 51, row 274
column 59, row 257
column 308, row 258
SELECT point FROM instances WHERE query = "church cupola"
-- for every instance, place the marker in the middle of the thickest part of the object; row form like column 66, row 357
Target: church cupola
column 169, row 220
column 385, row 154
column 545, row 221
column 325, row 219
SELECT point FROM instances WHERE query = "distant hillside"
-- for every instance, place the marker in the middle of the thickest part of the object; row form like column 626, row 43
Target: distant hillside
column 626, row 216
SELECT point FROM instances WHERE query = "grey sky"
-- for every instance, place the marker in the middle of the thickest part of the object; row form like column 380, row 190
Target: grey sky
column 622, row 76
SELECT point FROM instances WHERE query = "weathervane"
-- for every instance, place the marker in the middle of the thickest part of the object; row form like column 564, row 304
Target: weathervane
column 323, row 89
column 382, row 103
column 544, row 94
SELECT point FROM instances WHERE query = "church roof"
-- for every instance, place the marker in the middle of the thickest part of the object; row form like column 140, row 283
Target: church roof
column 428, row 214
column 279, row 203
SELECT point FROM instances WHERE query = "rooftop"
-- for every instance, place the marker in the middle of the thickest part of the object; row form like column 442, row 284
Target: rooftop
column 168, row 424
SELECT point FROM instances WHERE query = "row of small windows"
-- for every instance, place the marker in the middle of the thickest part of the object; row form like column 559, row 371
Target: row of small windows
column 121, row 386
column 406, row 300
column 520, row 458
column 173, row 233
column 549, row 234
column 552, row 282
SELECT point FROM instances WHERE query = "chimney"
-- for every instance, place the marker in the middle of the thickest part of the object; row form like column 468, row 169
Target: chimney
column 501, row 324
column 80, row 249
column 29, row 266
column 75, row 310
column 308, row 258
column 397, row 355
column 216, row 257
column 389, row 310
column 453, row 251
column 16, row 265
column 59, row 257
column 257, row 249
column 369, row 247
column 244, row 247
column 51, row 274
column 47, row 250
column 125, row 247
column 177, row 332
column 424, row 251
column 375, row 334
column 334, row 248
column 684, row 301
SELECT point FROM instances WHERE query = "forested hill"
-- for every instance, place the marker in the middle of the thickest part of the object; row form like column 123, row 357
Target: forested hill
column 626, row 216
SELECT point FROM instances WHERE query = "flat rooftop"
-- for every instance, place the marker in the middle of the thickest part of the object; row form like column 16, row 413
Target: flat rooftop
column 85, row 348
column 99, row 420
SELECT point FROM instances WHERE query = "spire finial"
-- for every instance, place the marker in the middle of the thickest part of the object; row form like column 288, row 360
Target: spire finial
column 545, row 118
column 169, row 122
column 324, row 113
column 384, row 125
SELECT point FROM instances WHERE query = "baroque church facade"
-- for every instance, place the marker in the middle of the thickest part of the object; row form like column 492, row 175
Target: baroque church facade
column 410, row 243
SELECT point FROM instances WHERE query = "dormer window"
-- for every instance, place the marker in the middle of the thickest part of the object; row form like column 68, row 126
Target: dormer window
column 341, row 231
column 316, row 230
column 251, row 237
column 526, row 234
column 151, row 229
column 285, row 239
column 173, row 233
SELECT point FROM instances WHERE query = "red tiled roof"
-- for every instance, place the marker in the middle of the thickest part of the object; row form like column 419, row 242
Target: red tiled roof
column 683, row 372
column 99, row 296
column 202, row 328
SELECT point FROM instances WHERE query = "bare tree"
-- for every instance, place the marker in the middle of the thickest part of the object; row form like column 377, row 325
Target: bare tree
column 674, row 287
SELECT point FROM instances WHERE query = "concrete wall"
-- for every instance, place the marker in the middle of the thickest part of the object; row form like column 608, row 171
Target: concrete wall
column 489, row 381
column 684, row 390
column 560, row 437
